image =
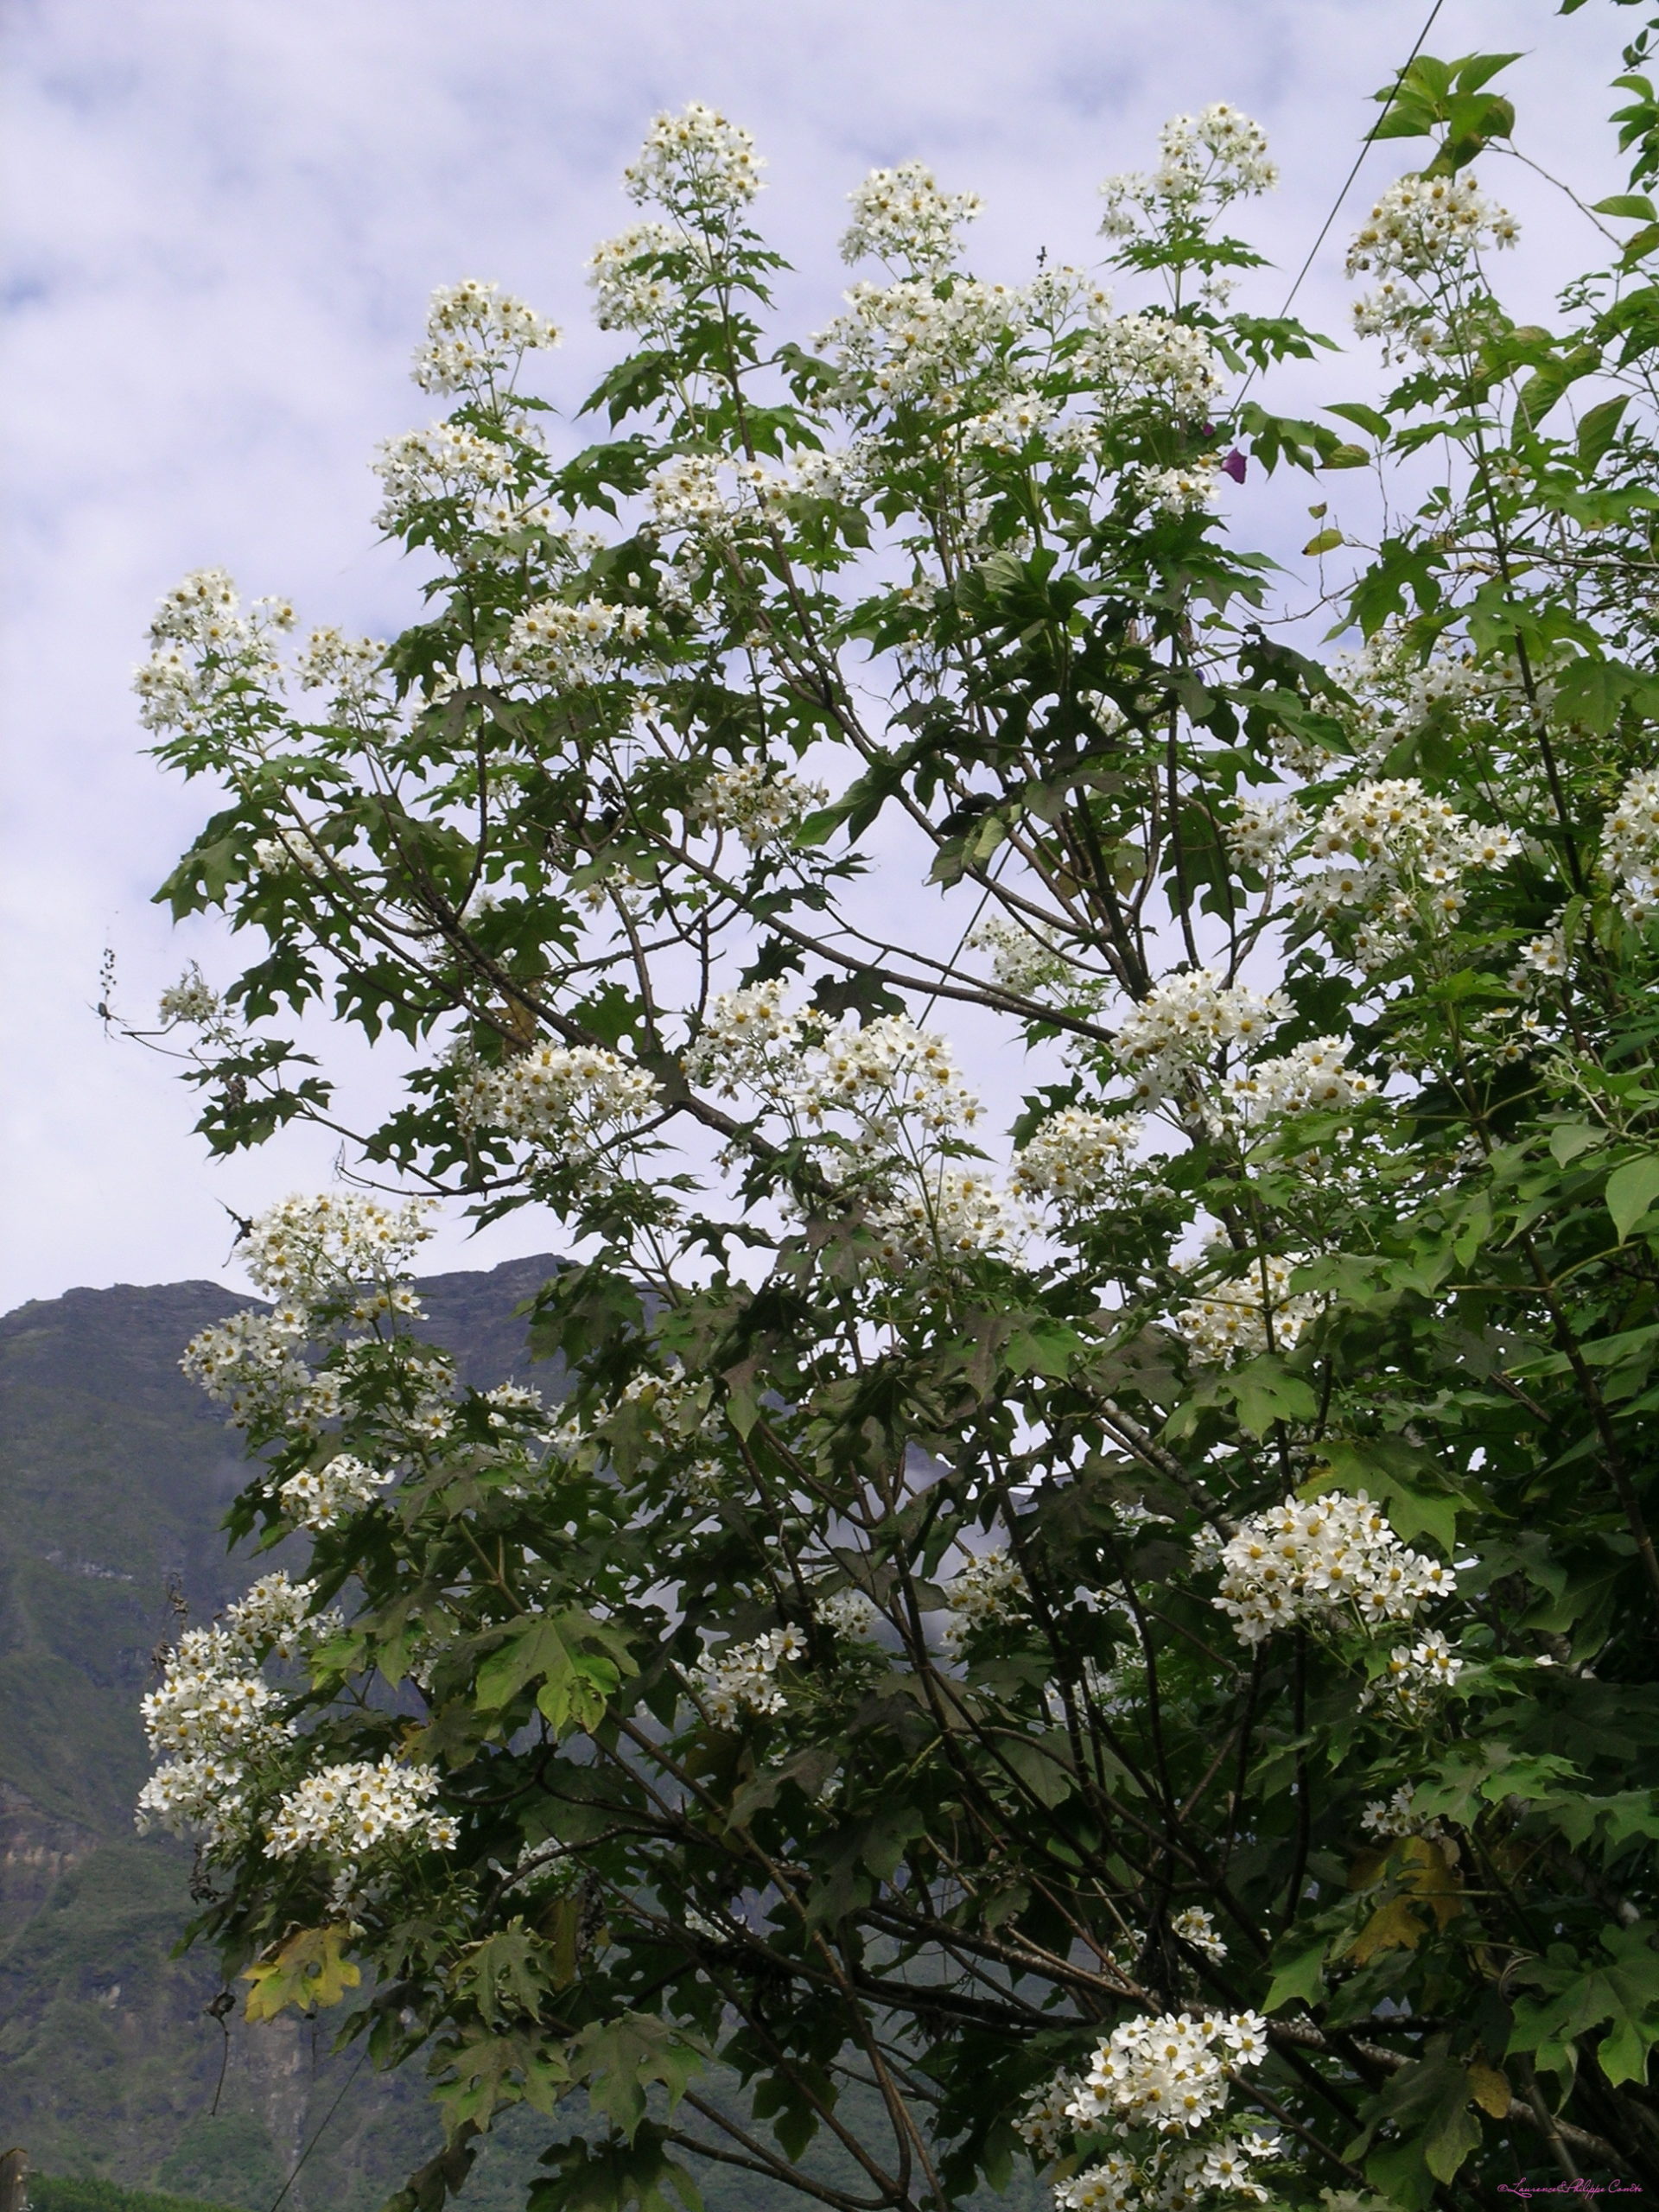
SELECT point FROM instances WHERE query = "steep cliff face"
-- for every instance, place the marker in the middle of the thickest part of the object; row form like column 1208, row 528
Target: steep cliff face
column 36, row 1850
column 114, row 1476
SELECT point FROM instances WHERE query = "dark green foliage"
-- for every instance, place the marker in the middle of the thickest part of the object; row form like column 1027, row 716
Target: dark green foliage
column 56, row 2193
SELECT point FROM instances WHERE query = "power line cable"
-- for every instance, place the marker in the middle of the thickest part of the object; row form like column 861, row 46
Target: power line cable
column 340, row 2100
column 1365, row 145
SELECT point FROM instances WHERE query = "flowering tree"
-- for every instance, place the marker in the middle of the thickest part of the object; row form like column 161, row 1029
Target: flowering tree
column 1134, row 1655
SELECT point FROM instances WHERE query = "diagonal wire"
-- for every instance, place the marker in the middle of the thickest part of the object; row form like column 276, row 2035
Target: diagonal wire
column 1365, row 145
column 295, row 2175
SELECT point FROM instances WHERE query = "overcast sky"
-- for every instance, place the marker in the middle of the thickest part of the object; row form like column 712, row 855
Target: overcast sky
column 224, row 218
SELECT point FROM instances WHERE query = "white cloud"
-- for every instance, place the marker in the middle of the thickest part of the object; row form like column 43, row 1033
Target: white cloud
column 226, row 217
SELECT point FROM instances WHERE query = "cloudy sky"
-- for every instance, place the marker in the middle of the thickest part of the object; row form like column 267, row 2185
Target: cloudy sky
column 224, row 218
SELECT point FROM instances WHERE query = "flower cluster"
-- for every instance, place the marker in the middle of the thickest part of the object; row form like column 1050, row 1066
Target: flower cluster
column 292, row 852
column 319, row 1498
column 1044, row 2123
column 1220, row 148
column 1170, row 2073
column 1327, row 1558
column 1313, row 1078
column 742, row 1678
column 1393, row 1816
column 1423, row 224
column 1629, row 845
column 339, row 1253
column 1455, row 678
column 1389, row 688
column 1402, row 858
column 1197, row 1927
column 1263, row 829
column 1011, row 425
column 568, row 1100
column 475, row 333
column 685, row 493
column 908, row 341
column 946, row 1212
column 1246, row 1313
column 889, row 1068
column 1414, row 1673
column 900, row 216
column 1077, row 1158
column 1424, row 232
column 1169, row 2179
column 990, row 1589
column 447, row 463
column 344, row 1811
column 819, row 475
column 763, row 805
column 315, row 1251
column 1206, row 161
column 1026, row 960
column 251, row 1363
column 845, row 1612
column 747, row 1036
column 347, row 668
column 1184, row 1020
column 696, row 159
column 273, row 1616
column 626, row 273
column 1543, row 959
column 207, row 648
column 1180, row 491
column 758, row 490
column 192, row 999
column 1152, row 356
column 211, row 1721
column 566, row 644
column 899, row 1087
column 208, row 1698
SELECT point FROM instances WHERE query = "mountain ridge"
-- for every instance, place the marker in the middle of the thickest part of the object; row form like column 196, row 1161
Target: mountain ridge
column 115, row 1473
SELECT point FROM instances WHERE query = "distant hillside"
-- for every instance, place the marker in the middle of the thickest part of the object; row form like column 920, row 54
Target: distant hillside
column 114, row 1475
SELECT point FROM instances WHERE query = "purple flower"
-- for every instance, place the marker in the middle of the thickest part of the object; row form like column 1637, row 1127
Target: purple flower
column 1234, row 466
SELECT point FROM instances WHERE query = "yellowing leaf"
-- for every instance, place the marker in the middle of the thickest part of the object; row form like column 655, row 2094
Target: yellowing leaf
column 521, row 1021
column 1367, row 1870
column 562, row 1925
column 1429, row 1874
column 1489, row 2087
column 310, row 1969
column 1324, row 541
column 1393, row 1927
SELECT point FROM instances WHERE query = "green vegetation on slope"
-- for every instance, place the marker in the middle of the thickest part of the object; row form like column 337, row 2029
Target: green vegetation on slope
column 60, row 2193
column 114, row 1474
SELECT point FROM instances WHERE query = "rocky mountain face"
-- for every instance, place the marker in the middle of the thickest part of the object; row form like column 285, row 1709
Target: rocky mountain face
column 115, row 1473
